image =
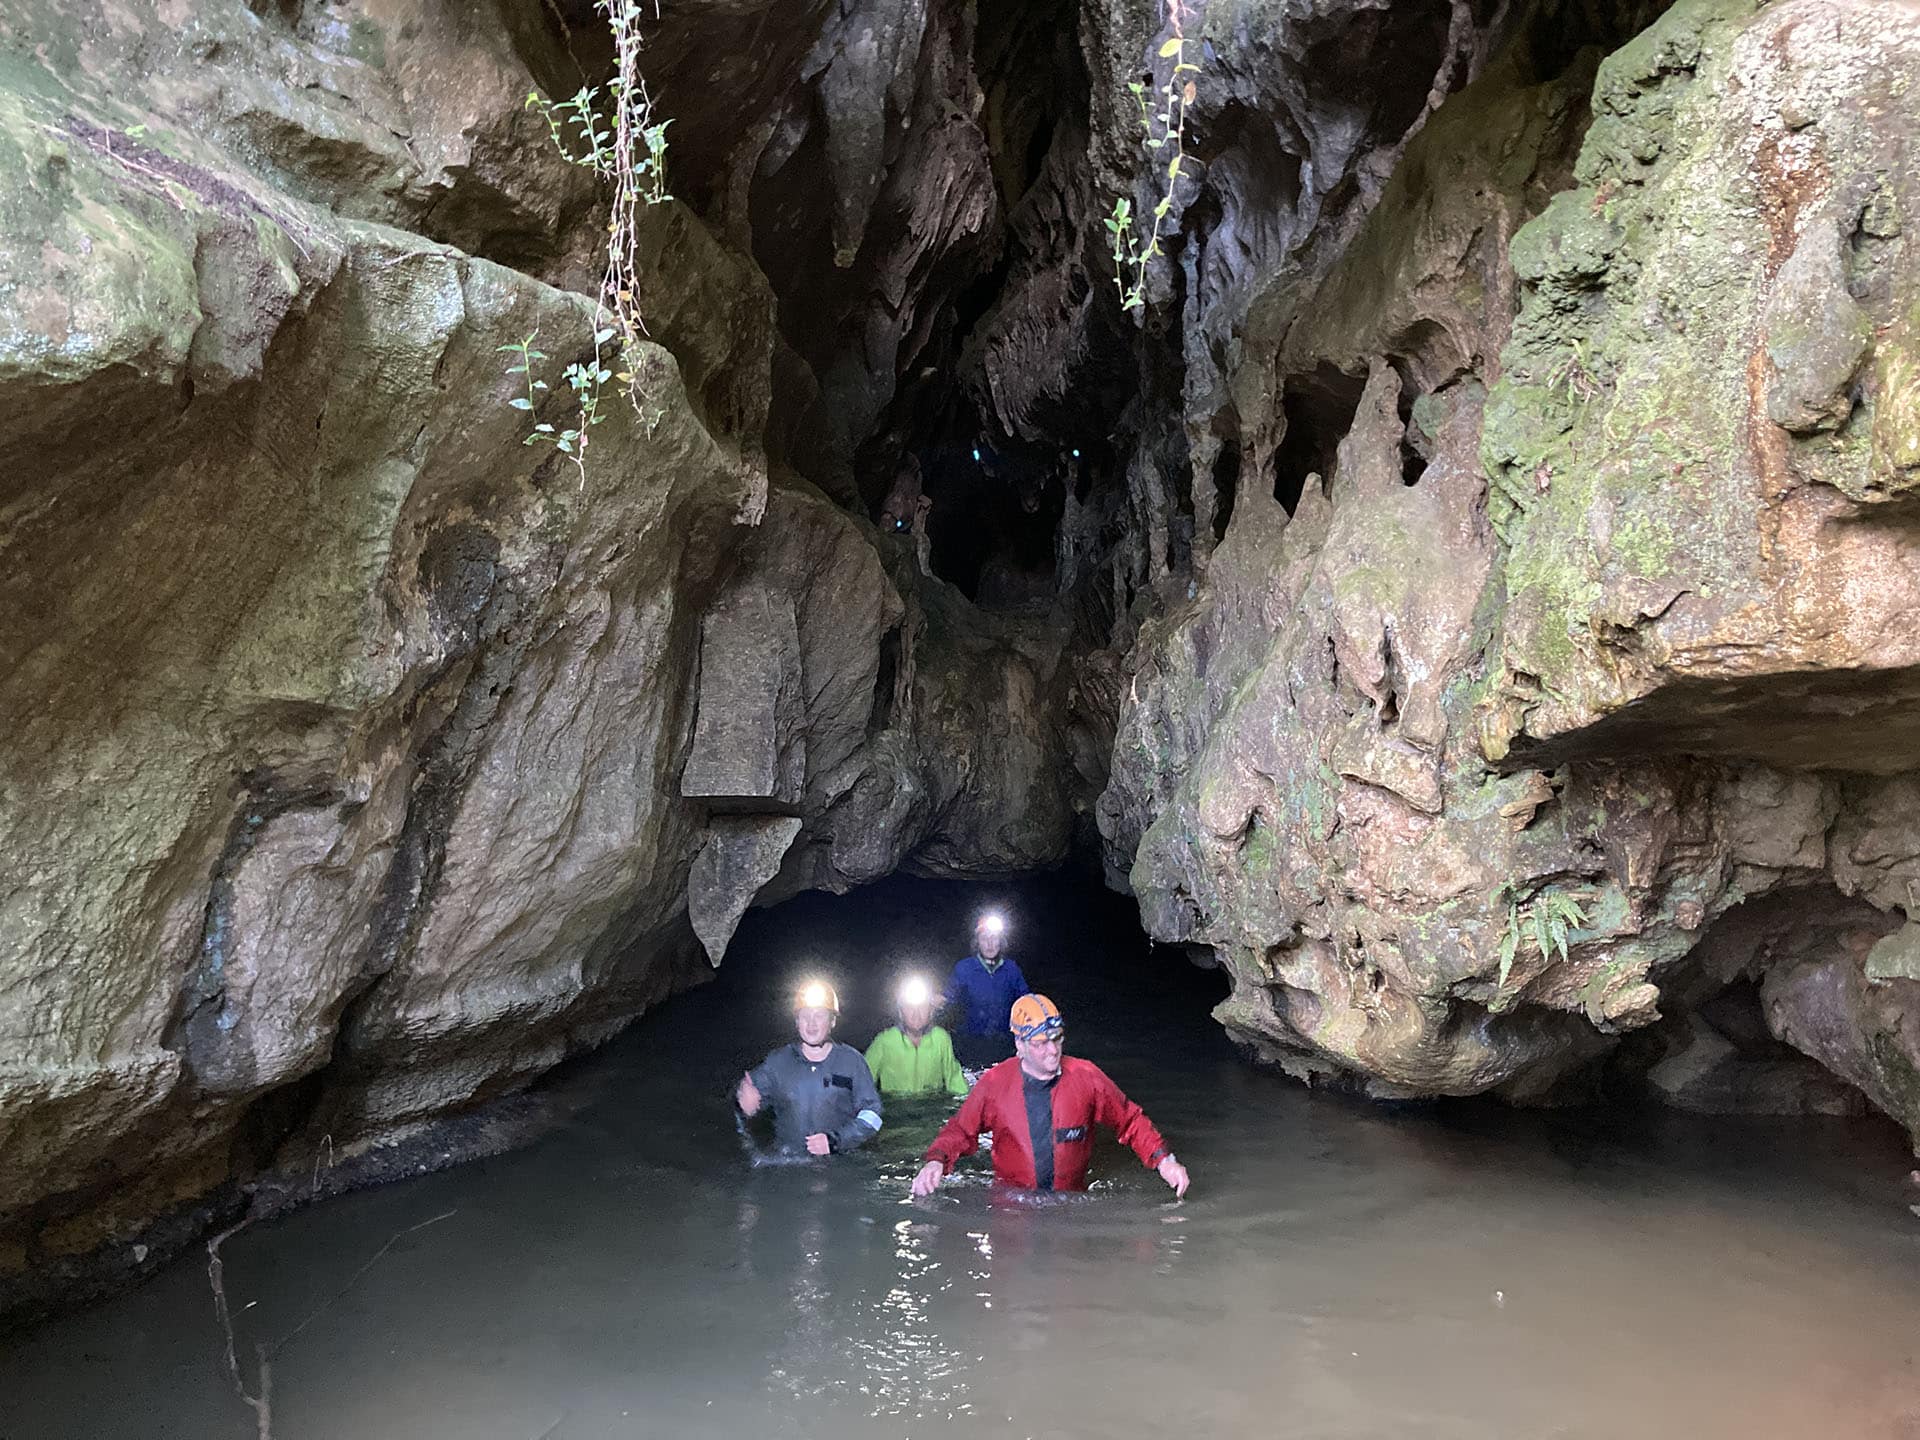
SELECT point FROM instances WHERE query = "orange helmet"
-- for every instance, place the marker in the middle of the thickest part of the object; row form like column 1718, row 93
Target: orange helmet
column 1034, row 1016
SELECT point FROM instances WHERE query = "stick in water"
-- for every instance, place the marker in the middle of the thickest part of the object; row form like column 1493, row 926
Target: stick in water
column 261, row 1404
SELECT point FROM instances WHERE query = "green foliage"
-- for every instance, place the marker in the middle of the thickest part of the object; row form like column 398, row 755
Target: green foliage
column 584, row 378
column 653, row 165
column 1546, row 922
column 615, row 134
column 1163, row 120
column 582, row 114
column 1574, row 374
column 592, row 139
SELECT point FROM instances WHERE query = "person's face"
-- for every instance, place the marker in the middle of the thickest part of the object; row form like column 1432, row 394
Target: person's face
column 916, row 1018
column 814, row 1025
column 1041, row 1055
column 988, row 940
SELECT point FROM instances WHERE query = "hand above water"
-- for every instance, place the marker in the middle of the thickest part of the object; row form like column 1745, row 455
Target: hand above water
column 1175, row 1174
column 748, row 1096
column 819, row 1144
column 929, row 1178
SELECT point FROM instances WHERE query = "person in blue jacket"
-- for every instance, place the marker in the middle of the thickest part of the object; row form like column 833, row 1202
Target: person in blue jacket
column 984, row 986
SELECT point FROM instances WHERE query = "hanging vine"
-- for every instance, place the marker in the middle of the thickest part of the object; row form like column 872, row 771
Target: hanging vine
column 616, row 135
column 1163, row 120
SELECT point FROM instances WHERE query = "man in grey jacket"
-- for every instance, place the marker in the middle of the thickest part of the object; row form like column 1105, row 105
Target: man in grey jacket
column 823, row 1096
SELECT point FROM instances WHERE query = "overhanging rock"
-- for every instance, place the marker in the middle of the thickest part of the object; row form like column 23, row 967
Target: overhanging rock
column 742, row 853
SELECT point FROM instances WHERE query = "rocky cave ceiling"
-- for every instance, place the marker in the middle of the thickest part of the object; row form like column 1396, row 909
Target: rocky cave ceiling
column 924, row 185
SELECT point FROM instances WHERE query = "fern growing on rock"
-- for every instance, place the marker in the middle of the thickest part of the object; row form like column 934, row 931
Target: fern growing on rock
column 1547, row 922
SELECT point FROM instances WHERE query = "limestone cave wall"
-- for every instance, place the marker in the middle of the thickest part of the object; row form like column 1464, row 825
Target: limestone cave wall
column 1599, row 610
column 362, row 762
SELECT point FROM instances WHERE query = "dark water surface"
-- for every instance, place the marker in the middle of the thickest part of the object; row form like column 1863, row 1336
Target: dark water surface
column 1338, row 1272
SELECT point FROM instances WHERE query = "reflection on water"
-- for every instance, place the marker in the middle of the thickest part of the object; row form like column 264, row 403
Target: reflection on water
column 1339, row 1271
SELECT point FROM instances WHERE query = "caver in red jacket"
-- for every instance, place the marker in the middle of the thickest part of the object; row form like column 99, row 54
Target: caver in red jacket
column 1083, row 1097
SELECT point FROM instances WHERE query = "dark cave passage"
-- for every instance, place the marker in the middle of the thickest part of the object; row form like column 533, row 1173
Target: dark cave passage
column 1319, row 411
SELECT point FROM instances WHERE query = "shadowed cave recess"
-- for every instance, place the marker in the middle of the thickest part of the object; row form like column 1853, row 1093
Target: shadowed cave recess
column 1473, row 601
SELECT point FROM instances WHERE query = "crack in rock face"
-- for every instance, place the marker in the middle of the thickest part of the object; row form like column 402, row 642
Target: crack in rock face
column 1472, row 599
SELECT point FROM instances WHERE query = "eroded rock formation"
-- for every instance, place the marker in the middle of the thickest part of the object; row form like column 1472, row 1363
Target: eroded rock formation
column 1631, row 644
column 361, row 762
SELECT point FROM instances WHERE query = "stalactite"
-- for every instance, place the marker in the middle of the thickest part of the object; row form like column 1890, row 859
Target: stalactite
column 1069, row 543
column 1150, row 505
column 1203, row 449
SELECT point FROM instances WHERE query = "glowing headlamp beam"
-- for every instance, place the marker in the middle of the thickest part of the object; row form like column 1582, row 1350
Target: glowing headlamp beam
column 814, row 997
column 914, row 990
column 993, row 923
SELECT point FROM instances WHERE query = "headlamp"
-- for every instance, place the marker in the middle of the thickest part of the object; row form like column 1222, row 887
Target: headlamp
column 914, row 990
column 993, row 923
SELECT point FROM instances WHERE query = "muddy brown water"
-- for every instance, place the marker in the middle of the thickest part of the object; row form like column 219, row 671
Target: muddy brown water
column 1339, row 1271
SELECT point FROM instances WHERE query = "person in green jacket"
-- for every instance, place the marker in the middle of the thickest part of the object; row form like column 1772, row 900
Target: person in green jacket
column 915, row 1057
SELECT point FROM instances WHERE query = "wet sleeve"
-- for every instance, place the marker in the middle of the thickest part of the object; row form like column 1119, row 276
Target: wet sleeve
column 764, row 1080
column 1019, row 981
column 952, row 1074
column 1129, row 1121
column 876, row 1052
column 865, row 1123
column 960, row 1136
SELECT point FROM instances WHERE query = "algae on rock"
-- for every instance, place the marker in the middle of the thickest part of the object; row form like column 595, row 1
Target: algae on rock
column 1652, row 576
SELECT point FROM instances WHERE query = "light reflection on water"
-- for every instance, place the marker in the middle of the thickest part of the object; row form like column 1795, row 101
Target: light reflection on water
column 1338, row 1272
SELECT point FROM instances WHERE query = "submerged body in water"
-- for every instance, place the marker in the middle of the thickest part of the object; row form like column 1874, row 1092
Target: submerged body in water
column 915, row 1057
column 1047, row 1110
column 979, row 992
column 1462, row 1273
column 821, row 1093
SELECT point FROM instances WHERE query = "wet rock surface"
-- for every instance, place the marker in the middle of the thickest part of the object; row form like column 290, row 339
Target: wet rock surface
column 1475, row 771
column 349, row 742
